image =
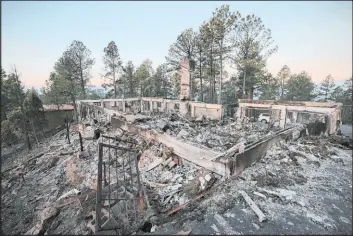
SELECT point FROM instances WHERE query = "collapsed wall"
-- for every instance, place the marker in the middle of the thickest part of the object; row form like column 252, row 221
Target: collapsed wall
column 158, row 105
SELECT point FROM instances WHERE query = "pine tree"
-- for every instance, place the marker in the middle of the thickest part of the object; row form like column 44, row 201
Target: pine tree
column 183, row 49
column 254, row 44
column 282, row 78
column 34, row 111
column 326, row 88
column 112, row 66
column 83, row 62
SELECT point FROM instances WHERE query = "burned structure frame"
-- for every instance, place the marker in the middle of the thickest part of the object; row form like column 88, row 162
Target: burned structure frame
column 227, row 165
column 296, row 109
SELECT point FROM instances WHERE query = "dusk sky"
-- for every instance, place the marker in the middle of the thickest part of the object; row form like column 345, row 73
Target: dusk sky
column 311, row 36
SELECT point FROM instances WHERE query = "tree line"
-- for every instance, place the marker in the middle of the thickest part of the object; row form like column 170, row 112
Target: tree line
column 227, row 38
column 22, row 112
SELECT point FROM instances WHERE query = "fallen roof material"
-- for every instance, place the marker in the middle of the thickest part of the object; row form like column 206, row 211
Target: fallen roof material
column 191, row 153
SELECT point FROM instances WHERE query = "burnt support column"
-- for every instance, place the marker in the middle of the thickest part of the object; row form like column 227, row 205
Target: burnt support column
column 79, row 111
column 300, row 117
column 192, row 110
column 164, row 106
column 295, row 116
column 81, row 145
column 183, row 108
column 67, row 130
column 141, row 105
column 239, row 113
column 283, row 115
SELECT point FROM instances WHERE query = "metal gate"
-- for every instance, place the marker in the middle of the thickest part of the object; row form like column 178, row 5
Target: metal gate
column 120, row 202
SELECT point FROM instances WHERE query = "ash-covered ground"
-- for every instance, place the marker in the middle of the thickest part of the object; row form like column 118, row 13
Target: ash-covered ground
column 297, row 196
column 302, row 186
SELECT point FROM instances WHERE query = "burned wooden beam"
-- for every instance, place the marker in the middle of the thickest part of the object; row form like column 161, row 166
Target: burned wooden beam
column 186, row 151
column 253, row 206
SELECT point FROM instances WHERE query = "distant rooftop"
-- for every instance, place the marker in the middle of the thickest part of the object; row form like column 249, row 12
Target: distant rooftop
column 63, row 107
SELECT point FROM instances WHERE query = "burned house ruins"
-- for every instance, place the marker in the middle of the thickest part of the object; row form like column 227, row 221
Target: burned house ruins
column 153, row 165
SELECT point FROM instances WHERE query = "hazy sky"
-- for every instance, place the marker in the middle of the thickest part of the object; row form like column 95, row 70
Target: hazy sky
column 311, row 36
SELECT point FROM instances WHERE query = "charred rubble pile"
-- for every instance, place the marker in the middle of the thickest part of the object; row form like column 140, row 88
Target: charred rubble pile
column 173, row 181
column 200, row 131
column 307, row 178
column 52, row 188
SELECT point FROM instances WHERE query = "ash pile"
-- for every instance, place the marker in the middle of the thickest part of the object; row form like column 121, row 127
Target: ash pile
column 202, row 132
column 303, row 184
column 171, row 180
column 306, row 177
